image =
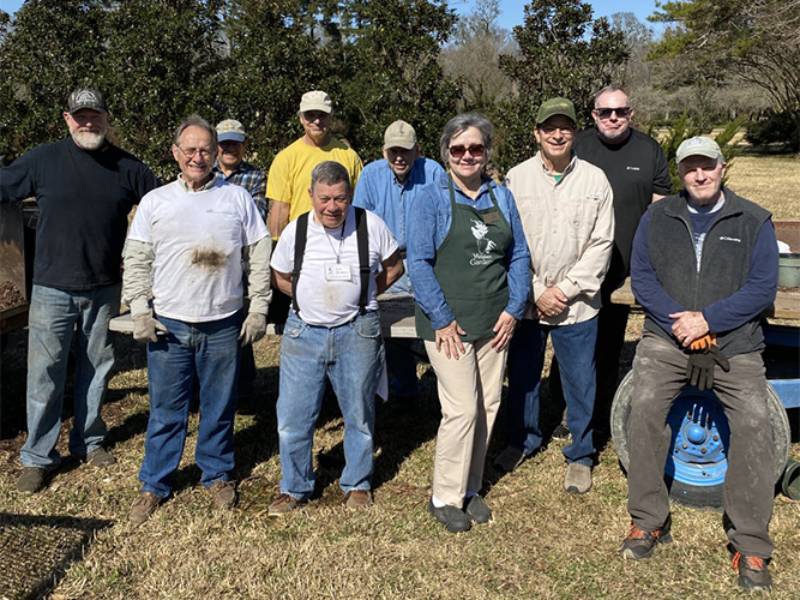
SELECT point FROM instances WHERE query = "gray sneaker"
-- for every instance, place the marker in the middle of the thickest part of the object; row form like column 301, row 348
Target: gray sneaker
column 578, row 478
column 223, row 494
column 31, row 480
column 100, row 457
column 509, row 459
column 454, row 519
column 478, row 510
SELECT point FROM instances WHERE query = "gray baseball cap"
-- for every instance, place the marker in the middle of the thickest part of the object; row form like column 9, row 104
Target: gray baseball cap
column 86, row 98
column 699, row 146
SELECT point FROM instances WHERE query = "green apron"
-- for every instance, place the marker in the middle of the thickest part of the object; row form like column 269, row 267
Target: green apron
column 470, row 267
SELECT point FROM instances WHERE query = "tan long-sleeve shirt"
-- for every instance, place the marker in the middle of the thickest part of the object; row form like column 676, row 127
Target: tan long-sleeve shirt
column 569, row 226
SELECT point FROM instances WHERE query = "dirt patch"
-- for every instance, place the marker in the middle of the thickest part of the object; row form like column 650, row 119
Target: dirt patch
column 10, row 295
column 208, row 258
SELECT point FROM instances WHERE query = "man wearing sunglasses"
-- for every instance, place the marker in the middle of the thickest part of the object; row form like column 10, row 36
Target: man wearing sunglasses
column 565, row 205
column 636, row 168
column 387, row 187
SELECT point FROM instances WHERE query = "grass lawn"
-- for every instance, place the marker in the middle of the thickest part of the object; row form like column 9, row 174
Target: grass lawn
column 542, row 543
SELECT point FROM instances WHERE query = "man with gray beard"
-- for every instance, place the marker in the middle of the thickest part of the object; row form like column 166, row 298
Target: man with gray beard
column 84, row 187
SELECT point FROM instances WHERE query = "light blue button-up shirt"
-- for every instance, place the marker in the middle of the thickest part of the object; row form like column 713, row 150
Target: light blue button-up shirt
column 429, row 224
column 379, row 191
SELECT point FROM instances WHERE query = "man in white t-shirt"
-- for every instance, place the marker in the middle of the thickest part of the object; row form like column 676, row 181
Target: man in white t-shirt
column 184, row 259
column 332, row 330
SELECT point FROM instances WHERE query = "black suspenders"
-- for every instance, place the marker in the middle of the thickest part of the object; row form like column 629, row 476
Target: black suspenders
column 362, row 239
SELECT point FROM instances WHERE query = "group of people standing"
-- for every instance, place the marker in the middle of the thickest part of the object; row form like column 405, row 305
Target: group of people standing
column 494, row 269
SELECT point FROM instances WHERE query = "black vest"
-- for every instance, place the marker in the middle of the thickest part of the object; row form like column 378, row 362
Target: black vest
column 724, row 263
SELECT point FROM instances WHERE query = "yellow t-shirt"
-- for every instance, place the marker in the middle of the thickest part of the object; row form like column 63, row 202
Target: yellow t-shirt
column 290, row 173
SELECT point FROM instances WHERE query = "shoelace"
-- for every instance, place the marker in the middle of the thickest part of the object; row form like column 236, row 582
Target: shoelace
column 637, row 533
column 754, row 563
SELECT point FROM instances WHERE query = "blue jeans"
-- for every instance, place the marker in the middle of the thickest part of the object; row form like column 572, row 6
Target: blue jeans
column 574, row 347
column 350, row 355
column 209, row 351
column 402, row 354
column 52, row 320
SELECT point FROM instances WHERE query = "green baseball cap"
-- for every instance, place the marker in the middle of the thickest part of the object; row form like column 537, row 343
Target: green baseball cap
column 556, row 106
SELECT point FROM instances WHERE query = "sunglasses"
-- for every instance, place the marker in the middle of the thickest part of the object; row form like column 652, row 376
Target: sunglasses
column 605, row 113
column 475, row 151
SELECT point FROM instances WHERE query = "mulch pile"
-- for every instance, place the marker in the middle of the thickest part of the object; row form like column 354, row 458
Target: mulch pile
column 35, row 551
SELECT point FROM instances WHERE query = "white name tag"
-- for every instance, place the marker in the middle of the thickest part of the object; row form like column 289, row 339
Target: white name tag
column 337, row 272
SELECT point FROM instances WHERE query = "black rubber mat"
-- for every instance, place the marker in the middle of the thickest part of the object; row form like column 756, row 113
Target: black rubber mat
column 35, row 551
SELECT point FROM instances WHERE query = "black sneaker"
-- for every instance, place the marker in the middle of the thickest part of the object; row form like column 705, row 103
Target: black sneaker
column 454, row 519
column 478, row 510
column 640, row 544
column 753, row 571
column 561, row 432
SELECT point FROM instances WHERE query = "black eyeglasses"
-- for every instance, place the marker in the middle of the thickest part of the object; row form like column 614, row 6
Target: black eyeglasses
column 475, row 151
column 623, row 112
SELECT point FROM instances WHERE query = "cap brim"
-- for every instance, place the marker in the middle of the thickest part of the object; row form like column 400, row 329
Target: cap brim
column 558, row 114
column 231, row 136
column 94, row 108
column 403, row 145
column 709, row 154
column 321, row 108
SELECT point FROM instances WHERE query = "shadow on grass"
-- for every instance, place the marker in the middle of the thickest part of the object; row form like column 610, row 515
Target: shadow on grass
column 36, row 550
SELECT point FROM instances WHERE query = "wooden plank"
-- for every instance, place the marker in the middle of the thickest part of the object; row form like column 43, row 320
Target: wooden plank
column 787, row 302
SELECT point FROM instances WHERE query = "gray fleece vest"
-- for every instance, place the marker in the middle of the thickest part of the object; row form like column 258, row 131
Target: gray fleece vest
column 724, row 264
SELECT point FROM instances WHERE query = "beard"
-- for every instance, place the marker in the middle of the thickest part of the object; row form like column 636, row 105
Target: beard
column 89, row 140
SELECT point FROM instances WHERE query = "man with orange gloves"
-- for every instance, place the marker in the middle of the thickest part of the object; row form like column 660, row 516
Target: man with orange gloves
column 704, row 268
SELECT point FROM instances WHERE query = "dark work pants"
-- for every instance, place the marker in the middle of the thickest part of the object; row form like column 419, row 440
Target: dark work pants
column 659, row 373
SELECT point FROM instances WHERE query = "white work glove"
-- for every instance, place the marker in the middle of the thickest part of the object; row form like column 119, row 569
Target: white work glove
column 145, row 327
column 253, row 328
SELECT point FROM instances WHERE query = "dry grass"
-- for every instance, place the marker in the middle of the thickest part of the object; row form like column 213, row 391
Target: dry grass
column 773, row 182
column 542, row 544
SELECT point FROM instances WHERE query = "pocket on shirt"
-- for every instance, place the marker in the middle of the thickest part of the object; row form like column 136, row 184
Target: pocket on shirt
column 584, row 214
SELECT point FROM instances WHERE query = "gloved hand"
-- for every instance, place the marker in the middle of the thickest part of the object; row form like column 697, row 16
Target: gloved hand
column 704, row 342
column 253, row 328
column 700, row 367
column 145, row 327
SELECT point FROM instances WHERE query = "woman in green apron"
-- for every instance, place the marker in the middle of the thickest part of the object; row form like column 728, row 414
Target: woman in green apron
column 470, row 269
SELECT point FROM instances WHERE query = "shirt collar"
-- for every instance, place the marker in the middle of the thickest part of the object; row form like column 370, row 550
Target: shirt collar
column 211, row 183
column 572, row 162
column 487, row 183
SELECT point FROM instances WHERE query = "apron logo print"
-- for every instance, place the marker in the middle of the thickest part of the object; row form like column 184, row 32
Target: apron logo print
column 485, row 246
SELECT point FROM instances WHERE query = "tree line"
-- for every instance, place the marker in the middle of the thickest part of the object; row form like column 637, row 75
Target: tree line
column 252, row 59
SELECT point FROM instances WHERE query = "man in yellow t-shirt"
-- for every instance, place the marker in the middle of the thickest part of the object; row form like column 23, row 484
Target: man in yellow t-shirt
column 290, row 173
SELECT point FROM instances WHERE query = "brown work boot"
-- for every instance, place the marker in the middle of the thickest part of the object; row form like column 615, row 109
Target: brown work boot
column 223, row 494
column 31, row 480
column 283, row 504
column 144, row 506
column 640, row 544
column 357, row 499
column 753, row 571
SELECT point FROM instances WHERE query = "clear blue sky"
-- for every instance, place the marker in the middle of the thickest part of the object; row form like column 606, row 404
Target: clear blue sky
column 512, row 10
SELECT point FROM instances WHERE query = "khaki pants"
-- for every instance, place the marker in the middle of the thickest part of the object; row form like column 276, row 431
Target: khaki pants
column 469, row 393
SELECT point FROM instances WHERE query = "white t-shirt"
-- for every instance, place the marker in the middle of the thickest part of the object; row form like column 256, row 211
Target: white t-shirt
column 197, row 239
column 324, row 297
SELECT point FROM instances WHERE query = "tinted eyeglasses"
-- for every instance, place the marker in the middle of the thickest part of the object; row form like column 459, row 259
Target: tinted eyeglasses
column 475, row 151
column 605, row 113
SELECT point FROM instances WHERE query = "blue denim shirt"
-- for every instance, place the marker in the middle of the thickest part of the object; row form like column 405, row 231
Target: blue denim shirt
column 379, row 191
column 428, row 226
